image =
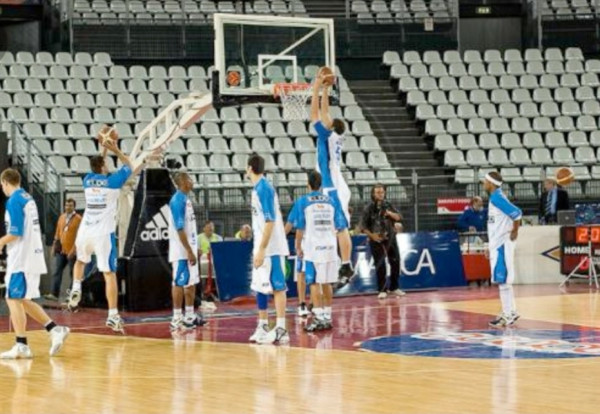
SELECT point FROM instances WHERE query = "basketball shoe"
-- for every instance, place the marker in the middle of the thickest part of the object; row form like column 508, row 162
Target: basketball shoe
column 115, row 323
column 260, row 332
column 275, row 335
column 303, row 311
column 57, row 337
column 18, row 351
column 499, row 322
column 315, row 325
column 73, row 301
column 512, row 318
column 176, row 323
column 345, row 275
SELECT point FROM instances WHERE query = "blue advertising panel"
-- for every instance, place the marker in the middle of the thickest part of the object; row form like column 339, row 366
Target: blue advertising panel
column 430, row 260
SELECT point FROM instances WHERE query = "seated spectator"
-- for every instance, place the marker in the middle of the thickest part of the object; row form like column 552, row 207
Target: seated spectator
column 553, row 199
column 207, row 237
column 245, row 233
column 474, row 218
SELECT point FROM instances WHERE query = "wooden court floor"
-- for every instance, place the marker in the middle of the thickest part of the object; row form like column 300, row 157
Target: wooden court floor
column 371, row 362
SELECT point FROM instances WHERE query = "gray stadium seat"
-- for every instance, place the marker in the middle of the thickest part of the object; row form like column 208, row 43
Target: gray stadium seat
column 564, row 124
column 232, row 130
column 464, row 176
column 528, row 110
column 511, row 141
column 590, row 79
column 356, row 160
column 466, row 111
column 584, row 155
column 500, row 96
column 487, row 111
column 306, row 144
column 478, row 126
column 198, row 146
column 586, row 123
column 519, row 156
column 511, row 174
column 591, row 107
column 563, row 156
column 532, row 174
column 444, row 142
column 464, row 142
column 55, row 131
column 499, row 125
column 476, row 158
column 458, row 97
column 275, row 129
column 253, row 130
column 378, row 159
column 60, row 164
column 34, row 131
column 508, row 110
column 65, row 148
column 570, row 108
column 533, row 140
column 541, row 156
column 555, row 140
column 209, row 129
column 479, row 96
column 516, row 69
column 542, row 124
column 584, row 93
column 498, row 157
column 33, row 85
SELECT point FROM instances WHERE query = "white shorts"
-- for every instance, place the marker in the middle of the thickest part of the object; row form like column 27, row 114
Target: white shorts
column 103, row 246
column 321, row 273
column 502, row 263
column 185, row 275
column 21, row 285
column 270, row 276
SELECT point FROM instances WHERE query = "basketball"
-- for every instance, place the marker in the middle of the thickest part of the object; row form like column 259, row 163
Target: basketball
column 564, row 176
column 107, row 132
column 327, row 75
column 233, row 78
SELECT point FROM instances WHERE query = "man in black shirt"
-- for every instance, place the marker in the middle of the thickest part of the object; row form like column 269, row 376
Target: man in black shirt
column 378, row 223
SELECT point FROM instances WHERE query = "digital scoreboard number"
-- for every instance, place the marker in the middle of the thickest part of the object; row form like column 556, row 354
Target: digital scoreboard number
column 575, row 245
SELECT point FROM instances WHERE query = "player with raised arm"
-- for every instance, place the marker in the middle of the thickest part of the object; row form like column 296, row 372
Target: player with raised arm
column 318, row 222
column 183, row 254
column 330, row 136
column 24, row 264
column 268, row 255
column 504, row 219
column 96, row 233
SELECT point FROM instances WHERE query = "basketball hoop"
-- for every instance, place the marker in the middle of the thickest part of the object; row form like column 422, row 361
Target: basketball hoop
column 293, row 97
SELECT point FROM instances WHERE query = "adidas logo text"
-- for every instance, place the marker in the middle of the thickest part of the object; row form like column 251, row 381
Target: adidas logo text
column 157, row 229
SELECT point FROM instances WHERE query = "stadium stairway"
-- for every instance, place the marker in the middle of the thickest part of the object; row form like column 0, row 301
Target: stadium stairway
column 402, row 141
column 325, row 8
column 398, row 134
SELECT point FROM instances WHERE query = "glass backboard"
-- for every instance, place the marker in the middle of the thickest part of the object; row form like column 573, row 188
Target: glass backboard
column 260, row 51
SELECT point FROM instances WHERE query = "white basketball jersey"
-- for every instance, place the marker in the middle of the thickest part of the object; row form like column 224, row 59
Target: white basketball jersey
column 26, row 254
column 265, row 208
column 101, row 196
column 182, row 217
column 317, row 219
column 501, row 215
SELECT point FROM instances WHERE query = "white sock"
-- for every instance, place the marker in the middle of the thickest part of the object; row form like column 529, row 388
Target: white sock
column 77, row 285
column 263, row 322
column 176, row 313
column 345, row 262
column 506, row 298
column 327, row 312
column 280, row 323
column 112, row 312
column 318, row 313
column 189, row 311
column 513, row 303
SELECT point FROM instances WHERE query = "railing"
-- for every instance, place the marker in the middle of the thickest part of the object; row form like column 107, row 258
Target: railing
column 41, row 179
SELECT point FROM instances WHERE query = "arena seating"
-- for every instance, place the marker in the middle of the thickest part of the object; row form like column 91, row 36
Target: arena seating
column 519, row 113
column 567, row 9
column 380, row 11
column 166, row 12
column 61, row 101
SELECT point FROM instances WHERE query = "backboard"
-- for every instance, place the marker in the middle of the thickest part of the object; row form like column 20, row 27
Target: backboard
column 266, row 50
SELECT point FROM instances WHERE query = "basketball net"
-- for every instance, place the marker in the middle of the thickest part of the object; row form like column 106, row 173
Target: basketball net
column 293, row 97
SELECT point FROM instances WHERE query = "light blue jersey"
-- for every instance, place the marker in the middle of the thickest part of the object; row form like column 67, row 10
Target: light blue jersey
column 101, row 195
column 501, row 215
column 319, row 219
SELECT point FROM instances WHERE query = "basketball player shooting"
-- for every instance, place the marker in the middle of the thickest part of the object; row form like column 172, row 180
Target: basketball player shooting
column 96, row 234
column 330, row 136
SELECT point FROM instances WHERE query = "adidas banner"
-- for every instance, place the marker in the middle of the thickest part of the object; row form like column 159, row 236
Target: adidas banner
column 148, row 233
column 145, row 266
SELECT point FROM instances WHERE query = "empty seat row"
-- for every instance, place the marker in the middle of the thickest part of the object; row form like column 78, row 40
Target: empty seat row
column 502, row 125
column 511, row 140
column 500, row 96
column 507, row 110
column 520, row 156
column 489, row 56
column 61, row 58
column 439, row 70
column 65, row 72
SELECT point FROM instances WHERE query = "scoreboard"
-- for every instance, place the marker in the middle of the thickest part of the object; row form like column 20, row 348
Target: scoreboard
column 575, row 244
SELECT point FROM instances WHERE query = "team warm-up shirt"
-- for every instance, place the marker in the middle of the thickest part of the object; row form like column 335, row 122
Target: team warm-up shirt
column 26, row 254
column 182, row 217
column 329, row 158
column 319, row 219
column 501, row 215
column 265, row 208
column 293, row 217
column 101, row 195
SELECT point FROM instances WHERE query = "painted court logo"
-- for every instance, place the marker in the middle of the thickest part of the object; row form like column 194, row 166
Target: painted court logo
column 491, row 344
column 157, row 229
